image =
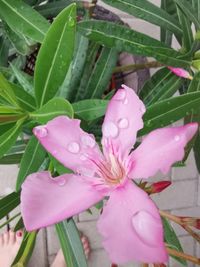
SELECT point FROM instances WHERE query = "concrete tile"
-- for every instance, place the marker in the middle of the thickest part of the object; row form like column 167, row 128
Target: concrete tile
column 86, row 216
column 187, row 172
column 198, row 200
column 8, row 175
column 90, row 230
column 99, row 258
column 53, row 244
column 39, row 256
column 181, row 194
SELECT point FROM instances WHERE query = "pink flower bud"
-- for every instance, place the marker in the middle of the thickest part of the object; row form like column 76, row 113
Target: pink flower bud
column 181, row 72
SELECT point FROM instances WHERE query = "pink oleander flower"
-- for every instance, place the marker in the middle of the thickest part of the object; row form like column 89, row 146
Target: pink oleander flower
column 181, row 73
column 130, row 223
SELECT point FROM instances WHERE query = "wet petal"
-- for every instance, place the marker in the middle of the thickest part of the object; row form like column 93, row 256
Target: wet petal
column 122, row 121
column 131, row 227
column 46, row 200
column 68, row 143
column 159, row 150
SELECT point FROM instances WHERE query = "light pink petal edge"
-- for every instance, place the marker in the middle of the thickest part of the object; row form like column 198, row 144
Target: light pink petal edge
column 46, row 200
column 159, row 150
column 131, row 227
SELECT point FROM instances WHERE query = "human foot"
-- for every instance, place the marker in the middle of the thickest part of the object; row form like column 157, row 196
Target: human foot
column 9, row 246
column 59, row 260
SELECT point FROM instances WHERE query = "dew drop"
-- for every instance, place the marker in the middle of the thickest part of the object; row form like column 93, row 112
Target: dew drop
column 123, row 123
column 73, row 147
column 88, row 141
column 120, row 95
column 83, row 157
column 71, row 22
column 177, row 138
column 110, row 129
column 41, row 131
column 61, row 181
column 147, row 227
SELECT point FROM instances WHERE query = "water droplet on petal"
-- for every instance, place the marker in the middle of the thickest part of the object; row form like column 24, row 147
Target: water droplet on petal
column 123, row 123
column 41, row 131
column 120, row 95
column 177, row 138
column 83, row 157
column 110, row 129
column 147, row 227
column 126, row 101
column 61, row 181
column 88, row 141
column 73, row 147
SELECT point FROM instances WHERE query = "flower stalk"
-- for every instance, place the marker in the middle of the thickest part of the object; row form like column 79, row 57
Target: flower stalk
column 135, row 67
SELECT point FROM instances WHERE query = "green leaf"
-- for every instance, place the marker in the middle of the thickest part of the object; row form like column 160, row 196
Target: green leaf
column 9, row 203
column 161, row 85
column 92, row 54
column 25, row 250
column 90, row 109
column 172, row 240
column 4, row 50
column 32, row 159
column 195, row 83
column 55, row 55
column 26, row 101
column 18, row 40
column 102, row 73
column 55, row 107
column 170, row 110
column 6, row 91
column 189, row 11
column 125, row 39
column 72, row 80
column 11, row 159
column 187, row 31
column 8, row 138
column 71, row 244
column 147, row 11
column 24, row 19
column 24, row 79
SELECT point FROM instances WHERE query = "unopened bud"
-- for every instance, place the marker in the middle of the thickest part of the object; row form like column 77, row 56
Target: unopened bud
column 181, row 73
column 157, row 187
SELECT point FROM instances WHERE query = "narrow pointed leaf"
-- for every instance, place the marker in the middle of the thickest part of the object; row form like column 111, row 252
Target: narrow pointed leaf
column 24, row 19
column 71, row 244
column 170, row 110
column 55, row 55
column 8, row 203
column 146, row 10
column 102, row 73
column 8, row 138
column 55, row 107
column 32, row 159
column 90, row 109
column 125, row 39
column 6, row 91
column 4, row 50
column 11, row 159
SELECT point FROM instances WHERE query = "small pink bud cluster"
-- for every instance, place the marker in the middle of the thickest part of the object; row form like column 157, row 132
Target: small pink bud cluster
column 157, row 187
column 181, row 73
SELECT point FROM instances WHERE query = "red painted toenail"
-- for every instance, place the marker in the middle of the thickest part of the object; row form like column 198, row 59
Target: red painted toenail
column 19, row 234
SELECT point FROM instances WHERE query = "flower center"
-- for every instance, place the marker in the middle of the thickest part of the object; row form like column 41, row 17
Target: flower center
column 111, row 171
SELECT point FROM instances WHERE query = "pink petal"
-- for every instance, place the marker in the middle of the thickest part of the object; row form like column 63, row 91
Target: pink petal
column 68, row 143
column 131, row 227
column 122, row 121
column 46, row 200
column 160, row 149
column 181, row 73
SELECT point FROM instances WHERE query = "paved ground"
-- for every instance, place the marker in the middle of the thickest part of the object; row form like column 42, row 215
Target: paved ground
column 182, row 198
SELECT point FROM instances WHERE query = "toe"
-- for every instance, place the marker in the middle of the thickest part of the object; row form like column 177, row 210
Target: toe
column 11, row 237
column 6, row 238
column 19, row 236
column 1, row 240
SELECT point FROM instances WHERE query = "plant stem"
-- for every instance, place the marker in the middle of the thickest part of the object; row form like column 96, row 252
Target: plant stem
column 182, row 255
column 145, row 265
column 135, row 67
column 178, row 221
